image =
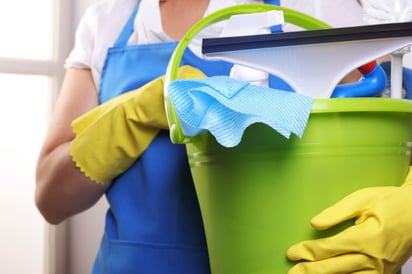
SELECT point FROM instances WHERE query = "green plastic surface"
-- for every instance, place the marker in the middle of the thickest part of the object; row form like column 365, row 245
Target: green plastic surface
column 257, row 199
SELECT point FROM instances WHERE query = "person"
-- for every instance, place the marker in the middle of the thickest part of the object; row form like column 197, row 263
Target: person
column 153, row 224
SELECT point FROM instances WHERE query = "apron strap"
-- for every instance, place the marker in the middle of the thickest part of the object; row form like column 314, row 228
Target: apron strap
column 276, row 3
column 272, row 2
column 128, row 28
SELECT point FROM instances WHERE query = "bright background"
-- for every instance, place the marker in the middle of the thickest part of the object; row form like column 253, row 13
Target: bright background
column 36, row 37
column 24, row 109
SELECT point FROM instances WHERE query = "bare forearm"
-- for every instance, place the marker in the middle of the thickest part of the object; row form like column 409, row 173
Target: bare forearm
column 62, row 190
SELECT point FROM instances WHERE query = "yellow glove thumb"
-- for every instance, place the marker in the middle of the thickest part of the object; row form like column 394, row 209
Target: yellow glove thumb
column 112, row 136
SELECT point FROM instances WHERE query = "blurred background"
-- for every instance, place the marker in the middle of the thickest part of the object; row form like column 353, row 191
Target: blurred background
column 36, row 37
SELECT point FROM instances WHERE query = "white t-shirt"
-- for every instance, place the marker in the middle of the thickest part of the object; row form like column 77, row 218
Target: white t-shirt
column 104, row 20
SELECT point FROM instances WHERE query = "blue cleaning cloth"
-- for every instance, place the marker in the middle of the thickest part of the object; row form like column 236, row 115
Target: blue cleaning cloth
column 226, row 107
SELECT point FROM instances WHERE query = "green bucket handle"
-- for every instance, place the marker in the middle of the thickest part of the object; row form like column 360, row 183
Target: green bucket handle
column 291, row 16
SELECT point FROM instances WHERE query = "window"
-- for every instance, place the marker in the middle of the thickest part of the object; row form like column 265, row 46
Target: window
column 23, row 114
column 32, row 50
column 28, row 26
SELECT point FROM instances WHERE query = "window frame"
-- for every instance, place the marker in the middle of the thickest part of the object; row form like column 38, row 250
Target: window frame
column 62, row 41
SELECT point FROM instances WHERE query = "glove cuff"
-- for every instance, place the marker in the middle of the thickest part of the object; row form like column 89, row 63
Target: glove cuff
column 103, row 159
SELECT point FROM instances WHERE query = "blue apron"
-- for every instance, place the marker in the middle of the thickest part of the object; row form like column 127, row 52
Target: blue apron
column 153, row 225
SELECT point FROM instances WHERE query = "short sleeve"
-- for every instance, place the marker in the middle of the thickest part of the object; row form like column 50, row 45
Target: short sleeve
column 98, row 30
column 81, row 54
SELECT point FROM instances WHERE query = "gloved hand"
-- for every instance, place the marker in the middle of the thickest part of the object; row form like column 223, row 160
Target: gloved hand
column 112, row 136
column 379, row 242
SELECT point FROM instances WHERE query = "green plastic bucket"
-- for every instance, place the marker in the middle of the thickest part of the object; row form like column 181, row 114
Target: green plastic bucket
column 257, row 199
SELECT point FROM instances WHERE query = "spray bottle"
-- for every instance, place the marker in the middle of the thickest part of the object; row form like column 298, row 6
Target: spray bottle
column 251, row 24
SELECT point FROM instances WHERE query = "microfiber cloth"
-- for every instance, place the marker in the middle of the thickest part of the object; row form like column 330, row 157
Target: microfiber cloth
column 226, row 107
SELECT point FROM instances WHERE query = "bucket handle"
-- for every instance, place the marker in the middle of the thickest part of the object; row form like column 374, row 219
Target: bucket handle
column 291, row 16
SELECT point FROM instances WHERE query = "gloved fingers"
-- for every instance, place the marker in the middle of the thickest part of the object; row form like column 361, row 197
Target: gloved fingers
column 347, row 208
column 344, row 264
column 342, row 243
column 154, row 114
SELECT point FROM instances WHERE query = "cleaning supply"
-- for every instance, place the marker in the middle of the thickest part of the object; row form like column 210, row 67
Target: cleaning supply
column 406, row 88
column 379, row 242
column 131, row 120
column 291, row 16
column 250, row 24
column 373, row 83
column 225, row 107
column 258, row 197
column 296, row 53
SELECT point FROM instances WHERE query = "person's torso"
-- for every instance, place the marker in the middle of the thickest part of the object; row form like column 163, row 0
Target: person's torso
column 154, row 223
column 148, row 28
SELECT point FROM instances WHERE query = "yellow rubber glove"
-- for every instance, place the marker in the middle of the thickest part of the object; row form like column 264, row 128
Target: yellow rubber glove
column 379, row 242
column 112, row 136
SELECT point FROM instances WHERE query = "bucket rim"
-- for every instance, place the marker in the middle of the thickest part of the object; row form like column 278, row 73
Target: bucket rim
column 376, row 104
